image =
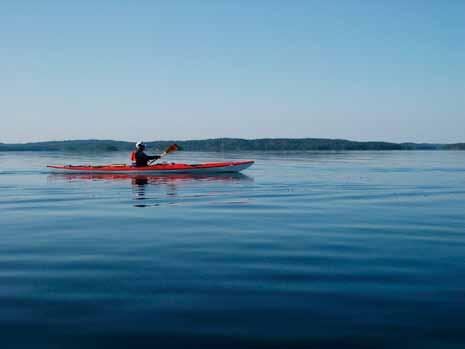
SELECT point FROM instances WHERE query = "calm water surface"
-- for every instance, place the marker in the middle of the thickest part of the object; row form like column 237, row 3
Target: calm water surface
column 312, row 249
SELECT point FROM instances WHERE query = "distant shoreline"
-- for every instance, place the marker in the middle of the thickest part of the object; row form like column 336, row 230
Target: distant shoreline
column 229, row 144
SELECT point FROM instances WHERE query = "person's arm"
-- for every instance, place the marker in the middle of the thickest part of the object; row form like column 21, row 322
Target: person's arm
column 149, row 157
column 143, row 159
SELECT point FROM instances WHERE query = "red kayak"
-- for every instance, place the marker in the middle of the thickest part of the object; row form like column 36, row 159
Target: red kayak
column 211, row 167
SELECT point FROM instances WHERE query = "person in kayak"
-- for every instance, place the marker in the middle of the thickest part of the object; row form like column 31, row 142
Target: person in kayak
column 139, row 158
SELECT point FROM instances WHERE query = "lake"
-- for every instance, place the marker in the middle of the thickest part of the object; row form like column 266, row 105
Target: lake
column 304, row 249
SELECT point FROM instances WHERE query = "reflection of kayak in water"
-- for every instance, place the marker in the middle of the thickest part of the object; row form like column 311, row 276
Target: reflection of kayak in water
column 152, row 179
column 157, row 169
column 142, row 185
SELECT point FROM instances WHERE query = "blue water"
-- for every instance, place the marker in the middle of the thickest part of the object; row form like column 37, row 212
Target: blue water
column 304, row 250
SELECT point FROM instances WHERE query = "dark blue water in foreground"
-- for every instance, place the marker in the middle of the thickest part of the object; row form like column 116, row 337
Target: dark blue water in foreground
column 330, row 250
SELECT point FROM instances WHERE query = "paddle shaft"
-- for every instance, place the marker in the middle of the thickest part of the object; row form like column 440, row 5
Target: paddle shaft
column 172, row 148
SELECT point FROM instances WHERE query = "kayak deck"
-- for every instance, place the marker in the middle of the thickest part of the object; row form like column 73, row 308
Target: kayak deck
column 212, row 167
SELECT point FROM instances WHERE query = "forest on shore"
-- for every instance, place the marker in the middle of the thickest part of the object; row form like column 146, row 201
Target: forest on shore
column 229, row 144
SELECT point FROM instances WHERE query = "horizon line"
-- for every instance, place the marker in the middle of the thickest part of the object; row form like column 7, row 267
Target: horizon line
column 231, row 138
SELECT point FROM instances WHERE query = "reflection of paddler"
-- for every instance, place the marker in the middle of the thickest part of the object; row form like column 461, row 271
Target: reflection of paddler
column 140, row 180
column 139, row 183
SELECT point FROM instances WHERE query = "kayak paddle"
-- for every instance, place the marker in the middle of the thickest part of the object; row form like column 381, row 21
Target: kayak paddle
column 171, row 149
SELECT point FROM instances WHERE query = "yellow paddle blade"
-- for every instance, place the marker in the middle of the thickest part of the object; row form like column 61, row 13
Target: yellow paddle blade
column 172, row 148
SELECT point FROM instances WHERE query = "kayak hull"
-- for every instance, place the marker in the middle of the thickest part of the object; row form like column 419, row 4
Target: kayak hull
column 214, row 167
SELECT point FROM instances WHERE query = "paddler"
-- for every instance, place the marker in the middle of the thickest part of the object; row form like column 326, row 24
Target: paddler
column 138, row 156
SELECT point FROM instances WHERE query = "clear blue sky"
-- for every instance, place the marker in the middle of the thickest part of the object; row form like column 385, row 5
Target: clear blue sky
column 363, row 70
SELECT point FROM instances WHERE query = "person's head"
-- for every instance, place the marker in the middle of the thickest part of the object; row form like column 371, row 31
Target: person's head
column 140, row 145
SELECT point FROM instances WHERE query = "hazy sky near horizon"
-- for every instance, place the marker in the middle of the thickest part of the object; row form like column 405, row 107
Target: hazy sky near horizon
column 363, row 70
